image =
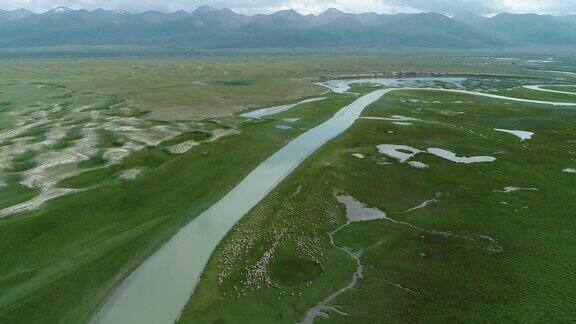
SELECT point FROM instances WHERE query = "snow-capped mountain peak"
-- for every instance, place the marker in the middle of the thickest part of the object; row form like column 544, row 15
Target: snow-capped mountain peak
column 60, row 10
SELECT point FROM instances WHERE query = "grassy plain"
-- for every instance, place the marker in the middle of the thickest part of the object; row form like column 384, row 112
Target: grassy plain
column 444, row 262
column 202, row 87
column 59, row 262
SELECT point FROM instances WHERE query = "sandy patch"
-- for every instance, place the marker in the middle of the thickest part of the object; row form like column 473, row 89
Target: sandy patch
column 182, row 147
column 186, row 146
column 219, row 133
column 115, row 155
column 511, row 189
column 131, row 174
column 290, row 120
column 150, row 138
column 418, row 165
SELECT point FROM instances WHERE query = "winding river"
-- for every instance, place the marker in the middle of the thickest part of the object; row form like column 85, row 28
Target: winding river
column 541, row 88
column 260, row 113
column 160, row 288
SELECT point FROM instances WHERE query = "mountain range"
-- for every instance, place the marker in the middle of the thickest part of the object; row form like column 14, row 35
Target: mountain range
column 207, row 27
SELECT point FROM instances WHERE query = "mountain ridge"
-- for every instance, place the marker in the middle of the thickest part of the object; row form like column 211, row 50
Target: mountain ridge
column 210, row 27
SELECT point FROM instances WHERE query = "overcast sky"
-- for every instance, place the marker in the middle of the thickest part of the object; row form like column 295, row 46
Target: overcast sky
column 484, row 7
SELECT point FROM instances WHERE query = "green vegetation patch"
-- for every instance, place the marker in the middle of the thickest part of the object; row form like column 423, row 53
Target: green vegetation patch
column 94, row 162
column 473, row 252
column 562, row 88
column 59, row 263
column 88, row 179
column 239, row 82
column 108, row 139
column 539, row 95
column 14, row 194
column 122, row 222
column 24, row 161
column 37, row 133
column 150, row 157
column 289, row 268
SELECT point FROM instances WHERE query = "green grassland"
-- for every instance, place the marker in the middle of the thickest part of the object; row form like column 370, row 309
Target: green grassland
column 59, row 262
column 537, row 95
column 412, row 274
column 203, row 87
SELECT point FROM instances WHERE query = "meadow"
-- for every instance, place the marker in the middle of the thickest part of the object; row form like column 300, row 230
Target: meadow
column 481, row 242
column 104, row 159
column 112, row 224
column 200, row 87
